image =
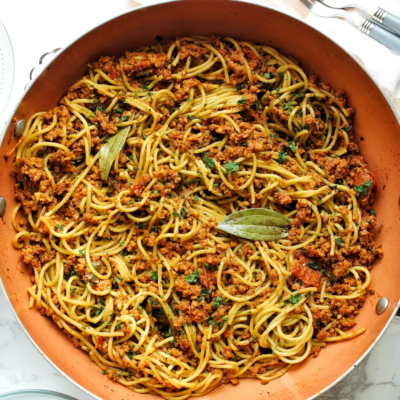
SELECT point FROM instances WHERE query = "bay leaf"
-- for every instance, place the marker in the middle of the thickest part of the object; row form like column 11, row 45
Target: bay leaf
column 110, row 150
column 259, row 220
column 256, row 212
column 256, row 224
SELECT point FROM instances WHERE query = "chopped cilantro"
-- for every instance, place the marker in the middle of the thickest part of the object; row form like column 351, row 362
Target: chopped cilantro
column 363, row 189
column 372, row 212
column 295, row 299
column 282, row 156
column 211, row 321
column 97, row 311
column 217, row 302
column 232, row 167
column 82, row 253
column 314, row 265
column 339, row 241
column 209, row 161
column 153, row 276
column 131, row 354
column 192, row 278
column 287, row 105
column 348, row 128
column 241, row 101
column 292, row 146
column 267, row 75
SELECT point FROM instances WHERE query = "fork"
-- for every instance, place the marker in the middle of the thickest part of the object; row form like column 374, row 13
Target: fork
column 383, row 17
column 365, row 25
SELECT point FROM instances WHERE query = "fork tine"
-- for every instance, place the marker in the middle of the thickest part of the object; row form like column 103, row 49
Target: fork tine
column 320, row 9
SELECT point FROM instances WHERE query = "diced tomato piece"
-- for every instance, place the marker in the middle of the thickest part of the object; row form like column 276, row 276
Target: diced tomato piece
column 309, row 277
column 113, row 74
column 361, row 176
column 249, row 54
column 100, row 341
column 136, row 185
column 355, row 161
column 209, row 278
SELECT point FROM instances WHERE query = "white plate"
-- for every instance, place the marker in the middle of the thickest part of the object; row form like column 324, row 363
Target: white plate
column 6, row 68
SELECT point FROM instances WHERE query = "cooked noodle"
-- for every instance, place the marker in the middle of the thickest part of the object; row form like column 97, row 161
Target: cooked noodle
column 133, row 269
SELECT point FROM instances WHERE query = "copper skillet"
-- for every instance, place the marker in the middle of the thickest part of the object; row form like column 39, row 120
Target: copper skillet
column 375, row 121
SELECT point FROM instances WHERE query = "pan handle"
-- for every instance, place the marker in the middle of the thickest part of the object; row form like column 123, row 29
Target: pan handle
column 42, row 60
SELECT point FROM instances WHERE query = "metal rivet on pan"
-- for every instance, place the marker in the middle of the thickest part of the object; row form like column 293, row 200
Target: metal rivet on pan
column 2, row 206
column 19, row 128
column 382, row 305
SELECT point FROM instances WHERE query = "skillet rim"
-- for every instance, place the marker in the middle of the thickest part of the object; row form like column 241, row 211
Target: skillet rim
column 59, row 53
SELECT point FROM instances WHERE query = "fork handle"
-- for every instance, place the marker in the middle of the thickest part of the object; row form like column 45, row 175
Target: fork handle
column 381, row 34
column 388, row 20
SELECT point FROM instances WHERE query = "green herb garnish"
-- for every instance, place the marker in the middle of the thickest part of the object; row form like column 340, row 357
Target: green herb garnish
column 232, row 167
column 154, row 276
column 363, row 189
column 192, row 278
column 295, row 299
column 282, row 156
column 209, row 161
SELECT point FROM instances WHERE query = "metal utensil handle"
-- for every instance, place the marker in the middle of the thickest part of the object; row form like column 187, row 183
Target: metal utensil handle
column 388, row 20
column 381, row 34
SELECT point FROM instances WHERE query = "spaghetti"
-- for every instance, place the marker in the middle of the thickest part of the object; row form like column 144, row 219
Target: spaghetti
column 129, row 263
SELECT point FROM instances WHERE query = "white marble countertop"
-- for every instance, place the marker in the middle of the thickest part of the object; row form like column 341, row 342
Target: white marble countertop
column 36, row 27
